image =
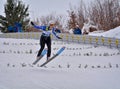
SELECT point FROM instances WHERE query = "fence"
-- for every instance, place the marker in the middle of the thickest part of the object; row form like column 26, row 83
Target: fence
column 85, row 39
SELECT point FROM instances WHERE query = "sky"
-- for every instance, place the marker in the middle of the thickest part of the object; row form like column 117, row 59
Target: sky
column 39, row 8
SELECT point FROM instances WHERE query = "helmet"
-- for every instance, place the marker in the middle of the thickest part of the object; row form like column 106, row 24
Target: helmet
column 51, row 23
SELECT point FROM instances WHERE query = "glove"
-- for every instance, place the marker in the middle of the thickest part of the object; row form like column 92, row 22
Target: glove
column 32, row 23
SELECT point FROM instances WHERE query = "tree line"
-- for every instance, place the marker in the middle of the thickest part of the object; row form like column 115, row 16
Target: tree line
column 105, row 14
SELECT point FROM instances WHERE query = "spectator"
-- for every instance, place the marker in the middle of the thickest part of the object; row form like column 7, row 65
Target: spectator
column 77, row 30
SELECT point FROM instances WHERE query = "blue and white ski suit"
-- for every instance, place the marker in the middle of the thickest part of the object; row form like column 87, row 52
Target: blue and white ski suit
column 45, row 38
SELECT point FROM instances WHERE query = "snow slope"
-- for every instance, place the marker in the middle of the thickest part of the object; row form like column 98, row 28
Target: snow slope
column 114, row 33
column 80, row 66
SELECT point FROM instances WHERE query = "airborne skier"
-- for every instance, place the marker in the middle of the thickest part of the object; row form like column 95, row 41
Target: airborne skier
column 45, row 37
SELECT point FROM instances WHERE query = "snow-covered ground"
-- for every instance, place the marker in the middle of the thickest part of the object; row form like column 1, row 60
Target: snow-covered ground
column 80, row 66
column 114, row 33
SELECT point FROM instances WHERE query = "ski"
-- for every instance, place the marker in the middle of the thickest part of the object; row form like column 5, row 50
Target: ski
column 57, row 54
column 41, row 56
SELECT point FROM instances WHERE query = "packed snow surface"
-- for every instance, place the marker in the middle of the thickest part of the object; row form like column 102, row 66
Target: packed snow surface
column 80, row 66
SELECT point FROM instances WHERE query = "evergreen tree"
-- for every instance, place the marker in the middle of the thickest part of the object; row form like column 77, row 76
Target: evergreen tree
column 15, row 11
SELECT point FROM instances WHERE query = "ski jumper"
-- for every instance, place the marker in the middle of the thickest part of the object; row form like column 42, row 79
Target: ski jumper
column 45, row 38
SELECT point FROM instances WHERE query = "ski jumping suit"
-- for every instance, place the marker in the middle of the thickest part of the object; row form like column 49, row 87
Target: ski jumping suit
column 45, row 38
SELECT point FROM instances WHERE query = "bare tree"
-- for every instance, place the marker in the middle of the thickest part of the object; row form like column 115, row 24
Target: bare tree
column 72, row 19
column 105, row 13
column 77, row 15
column 82, row 13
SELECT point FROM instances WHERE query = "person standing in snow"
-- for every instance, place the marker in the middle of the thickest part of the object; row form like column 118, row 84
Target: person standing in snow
column 77, row 30
column 45, row 37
